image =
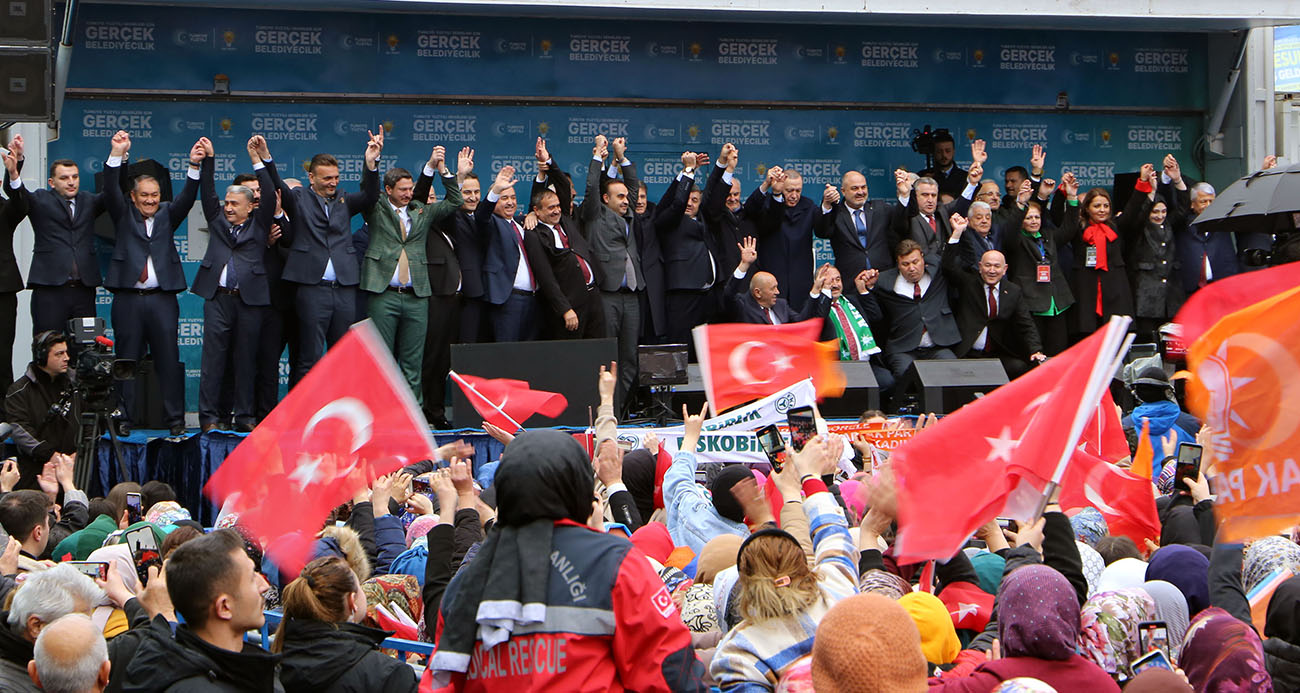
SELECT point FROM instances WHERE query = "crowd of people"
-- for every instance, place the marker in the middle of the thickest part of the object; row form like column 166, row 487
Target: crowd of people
column 559, row 567
column 948, row 264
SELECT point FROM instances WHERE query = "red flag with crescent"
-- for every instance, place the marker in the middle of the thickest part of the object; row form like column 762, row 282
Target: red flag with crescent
column 351, row 419
column 1246, row 388
column 1127, row 501
column 741, row 362
column 507, row 403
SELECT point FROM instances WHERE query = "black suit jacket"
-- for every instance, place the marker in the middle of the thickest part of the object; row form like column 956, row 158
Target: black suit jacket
column 687, row 247
column 1023, row 254
column 785, row 245
column 11, row 215
column 559, row 275
column 745, row 309
column 132, row 246
column 248, row 250
column 905, row 318
column 61, row 242
column 850, row 256
column 1012, row 332
column 315, row 239
column 468, row 249
column 914, row 226
column 728, row 227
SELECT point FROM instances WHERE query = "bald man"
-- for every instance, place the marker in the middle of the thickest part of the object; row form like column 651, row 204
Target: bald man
column 761, row 303
column 70, row 657
column 861, row 232
column 993, row 320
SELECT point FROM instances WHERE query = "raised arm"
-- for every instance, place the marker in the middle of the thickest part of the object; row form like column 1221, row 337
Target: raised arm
column 591, row 203
column 112, row 195
column 16, row 208
column 181, row 204
column 628, row 170
column 369, row 195
column 714, row 201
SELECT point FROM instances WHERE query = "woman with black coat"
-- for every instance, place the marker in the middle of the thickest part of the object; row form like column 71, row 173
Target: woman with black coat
column 1147, row 227
column 325, row 648
column 1100, row 281
column 1034, row 264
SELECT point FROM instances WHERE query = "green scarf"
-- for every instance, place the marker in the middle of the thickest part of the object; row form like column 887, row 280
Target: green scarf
column 857, row 330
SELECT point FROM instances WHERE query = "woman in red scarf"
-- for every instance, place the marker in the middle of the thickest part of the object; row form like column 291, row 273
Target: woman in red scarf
column 1100, row 284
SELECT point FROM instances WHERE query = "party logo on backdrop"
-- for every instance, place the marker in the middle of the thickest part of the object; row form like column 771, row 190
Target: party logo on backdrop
column 462, row 45
column 186, row 38
column 1069, row 136
column 359, row 42
column 659, row 132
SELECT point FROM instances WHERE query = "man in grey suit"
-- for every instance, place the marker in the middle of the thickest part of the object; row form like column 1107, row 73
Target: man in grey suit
column 607, row 219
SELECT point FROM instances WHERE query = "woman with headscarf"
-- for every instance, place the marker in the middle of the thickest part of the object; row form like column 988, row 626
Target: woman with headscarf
column 1223, row 655
column 781, row 598
column 1038, row 627
column 1108, row 629
column 324, row 646
column 1184, row 568
column 939, row 641
column 1147, row 230
column 1089, row 525
column 1171, row 607
column 1093, row 566
column 1266, row 556
column 1124, row 573
column 1100, row 282
column 586, row 606
column 1282, row 633
column 867, row 643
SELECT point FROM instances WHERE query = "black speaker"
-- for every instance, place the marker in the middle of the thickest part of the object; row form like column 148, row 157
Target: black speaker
column 26, row 84
column 569, row 367
column 861, row 392
column 26, row 22
column 944, row 385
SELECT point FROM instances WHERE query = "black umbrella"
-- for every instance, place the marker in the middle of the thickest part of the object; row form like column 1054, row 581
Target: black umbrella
column 1265, row 201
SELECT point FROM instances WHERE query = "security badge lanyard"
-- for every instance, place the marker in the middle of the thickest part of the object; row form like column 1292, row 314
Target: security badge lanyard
column 1044, row 268
column 1090, row 257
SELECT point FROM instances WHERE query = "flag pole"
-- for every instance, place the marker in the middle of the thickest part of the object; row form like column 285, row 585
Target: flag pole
column 470, row 388
column 1110, row 355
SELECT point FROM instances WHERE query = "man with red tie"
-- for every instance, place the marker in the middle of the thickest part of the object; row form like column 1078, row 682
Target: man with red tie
column 510, row 284
column 926, row 220
column 566, row 276
column 760, row 302
column 913, row 299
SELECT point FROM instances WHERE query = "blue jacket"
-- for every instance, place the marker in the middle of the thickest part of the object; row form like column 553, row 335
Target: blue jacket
column 692, row 519
column 1164, row 416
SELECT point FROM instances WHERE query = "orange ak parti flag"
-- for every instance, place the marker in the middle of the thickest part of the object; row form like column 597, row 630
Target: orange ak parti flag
column 1246, row 387
column 741, row 362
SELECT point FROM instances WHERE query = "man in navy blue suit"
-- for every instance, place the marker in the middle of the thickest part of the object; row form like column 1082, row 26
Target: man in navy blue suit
column 145, row 275
column 233, row 283
column 509, row 285
column 758, row 300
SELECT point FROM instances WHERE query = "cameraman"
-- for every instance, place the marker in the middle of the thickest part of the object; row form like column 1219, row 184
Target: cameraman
column 39, row 407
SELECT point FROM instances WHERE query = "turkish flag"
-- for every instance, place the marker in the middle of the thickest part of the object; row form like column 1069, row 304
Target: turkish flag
column 1126, row 501
column 1225, row 296
column 970, row 607
column 351, row 419
column 740, row 362
column 1104, row 436
column 995, row 455
column 1246, row 388
column 507, row 403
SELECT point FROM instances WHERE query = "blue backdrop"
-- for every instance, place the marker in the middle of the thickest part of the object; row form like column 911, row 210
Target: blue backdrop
column 146, row 48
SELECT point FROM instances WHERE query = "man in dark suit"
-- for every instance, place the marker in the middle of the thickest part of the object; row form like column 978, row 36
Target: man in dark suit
column 849, row 322
column 926, row 220
column 690, row 255
column 233, row 283
column 609, row 224
column 993, row 320
column 447, row 279
column 726, row 217
column 474, row 323
column 322, row 260
column 11, row 281
column 913, row 299
column 1202, row 257
column 756, row 300
column 395, row 276
column 64, row 271
column 568, row 275
column 950, row 178
column 145, row 275
column 785, row 233
column 509, row 279
column 861, row 232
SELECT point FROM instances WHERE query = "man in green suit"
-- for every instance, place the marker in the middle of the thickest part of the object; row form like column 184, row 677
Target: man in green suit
column 394, row 273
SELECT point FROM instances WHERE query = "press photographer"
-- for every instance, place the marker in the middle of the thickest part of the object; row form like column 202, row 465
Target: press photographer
column 42, row 426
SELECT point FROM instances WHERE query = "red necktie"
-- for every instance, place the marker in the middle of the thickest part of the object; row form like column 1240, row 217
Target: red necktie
column 934, row 227
column 564, row 240
column 1203, row 280
column 768, row 313
column 993, row 303
column 523, row 256
column 916, row 291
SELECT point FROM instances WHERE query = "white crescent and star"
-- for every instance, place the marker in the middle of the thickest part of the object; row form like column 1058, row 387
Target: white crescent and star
column 1223, row 387
column 738, row 361
column 360, row 421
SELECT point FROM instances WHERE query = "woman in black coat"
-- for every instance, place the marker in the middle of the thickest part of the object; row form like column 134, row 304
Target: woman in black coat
column 1034, row 264
column 1100, row 280
column 324, row 647
column 1147, row 228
